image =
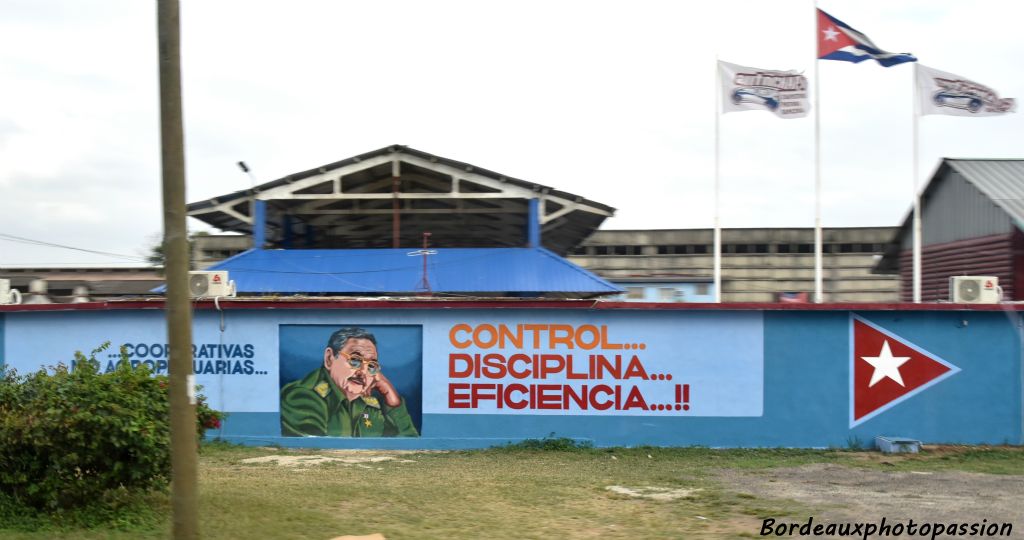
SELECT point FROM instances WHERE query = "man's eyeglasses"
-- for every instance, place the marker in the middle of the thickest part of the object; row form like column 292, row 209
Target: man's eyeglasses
column 355, row 362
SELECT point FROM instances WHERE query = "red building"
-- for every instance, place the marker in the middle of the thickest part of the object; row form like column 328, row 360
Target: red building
column 972, row 223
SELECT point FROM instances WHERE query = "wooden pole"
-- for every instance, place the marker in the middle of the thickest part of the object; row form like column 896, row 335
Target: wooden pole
column 184, row 460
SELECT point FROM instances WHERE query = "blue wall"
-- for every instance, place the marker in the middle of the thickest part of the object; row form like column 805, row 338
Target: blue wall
column 789, row 371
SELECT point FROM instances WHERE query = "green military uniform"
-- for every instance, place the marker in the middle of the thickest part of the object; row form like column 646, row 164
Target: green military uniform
column 314, row 405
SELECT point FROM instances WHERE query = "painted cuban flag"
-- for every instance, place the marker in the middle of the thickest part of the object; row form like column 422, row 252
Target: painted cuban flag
column 838, row 41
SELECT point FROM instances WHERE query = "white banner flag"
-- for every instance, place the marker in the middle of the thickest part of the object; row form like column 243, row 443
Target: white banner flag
column 946, row 93
column 783, row 93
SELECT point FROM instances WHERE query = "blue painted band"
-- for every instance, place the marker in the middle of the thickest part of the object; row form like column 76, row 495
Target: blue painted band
column 533, row 224
column 259, row 224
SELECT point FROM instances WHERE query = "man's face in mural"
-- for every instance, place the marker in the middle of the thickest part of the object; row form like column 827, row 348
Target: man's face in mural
column 354, row 368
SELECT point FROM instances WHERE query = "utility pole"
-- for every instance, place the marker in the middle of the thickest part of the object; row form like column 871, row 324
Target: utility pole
column 424, row 281
column 425, row 252
column 184, row 470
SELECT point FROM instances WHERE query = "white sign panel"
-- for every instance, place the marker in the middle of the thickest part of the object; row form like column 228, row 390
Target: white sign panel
column 238, row 369
column 687, row 364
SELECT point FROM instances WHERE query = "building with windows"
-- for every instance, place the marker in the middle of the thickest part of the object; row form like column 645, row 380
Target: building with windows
column 758, row 265
column 328, row 231
column 387, row 198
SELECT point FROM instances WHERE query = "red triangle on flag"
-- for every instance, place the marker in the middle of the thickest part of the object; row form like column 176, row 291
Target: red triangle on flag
column 886, row 369
column 830, row 36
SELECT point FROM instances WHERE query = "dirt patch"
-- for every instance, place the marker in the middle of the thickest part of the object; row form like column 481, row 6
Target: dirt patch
column 653, row 492
column 309, row 460
column 856, row 494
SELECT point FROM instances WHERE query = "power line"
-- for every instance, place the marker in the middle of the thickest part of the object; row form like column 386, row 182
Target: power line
column 30, row 241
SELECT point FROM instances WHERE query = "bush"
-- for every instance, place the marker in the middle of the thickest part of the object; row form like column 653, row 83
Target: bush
column 549, row 444
column 75, row 437
column 206, row 418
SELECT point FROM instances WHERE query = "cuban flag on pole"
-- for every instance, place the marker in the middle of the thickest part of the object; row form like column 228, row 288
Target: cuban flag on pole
column 838, row 41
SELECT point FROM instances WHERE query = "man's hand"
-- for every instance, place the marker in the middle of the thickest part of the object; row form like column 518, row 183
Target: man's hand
column 386, row 389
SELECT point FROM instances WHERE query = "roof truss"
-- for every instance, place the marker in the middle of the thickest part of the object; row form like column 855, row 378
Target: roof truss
column 359, row 196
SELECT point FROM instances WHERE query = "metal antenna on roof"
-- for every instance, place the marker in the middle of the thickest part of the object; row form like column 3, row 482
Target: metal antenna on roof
column 245, row 169
column 425, row 252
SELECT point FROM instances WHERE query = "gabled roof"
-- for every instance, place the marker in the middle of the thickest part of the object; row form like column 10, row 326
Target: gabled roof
column 1001, row 180
column 351, row 204
column 378, row 272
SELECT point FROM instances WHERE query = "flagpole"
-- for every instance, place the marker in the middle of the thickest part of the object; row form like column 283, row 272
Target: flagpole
column 819, row 296
column 917, row 197
column 718, row 227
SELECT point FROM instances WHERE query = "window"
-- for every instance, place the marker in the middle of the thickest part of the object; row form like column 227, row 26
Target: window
column 783, row 248
column 700, row 249
column 667, row 294
column 601, row 250
column 701, row 289
column 760, row 248
column 805, row 248
column 634, row 293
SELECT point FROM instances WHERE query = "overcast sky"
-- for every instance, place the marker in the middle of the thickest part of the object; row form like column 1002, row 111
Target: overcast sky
column 613, row 101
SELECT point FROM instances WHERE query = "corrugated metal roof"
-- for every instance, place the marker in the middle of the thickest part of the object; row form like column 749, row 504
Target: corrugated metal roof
column 1001, row 180
column 400, row 271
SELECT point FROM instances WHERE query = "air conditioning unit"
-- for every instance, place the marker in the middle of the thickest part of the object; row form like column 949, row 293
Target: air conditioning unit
column 7, row 294
column 975, row 290
column 210, row 284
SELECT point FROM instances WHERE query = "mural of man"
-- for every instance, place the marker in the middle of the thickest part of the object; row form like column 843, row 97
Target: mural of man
column 348, row 396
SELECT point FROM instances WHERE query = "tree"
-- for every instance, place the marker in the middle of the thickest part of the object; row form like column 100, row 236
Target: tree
column 156, row 255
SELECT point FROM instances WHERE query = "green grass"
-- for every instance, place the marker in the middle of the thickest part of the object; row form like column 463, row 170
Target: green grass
column 552, row 488
column 977, row 459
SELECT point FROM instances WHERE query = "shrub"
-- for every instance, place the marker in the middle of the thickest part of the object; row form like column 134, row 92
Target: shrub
column 206, row 418
column 549, row 444
column 74, row 437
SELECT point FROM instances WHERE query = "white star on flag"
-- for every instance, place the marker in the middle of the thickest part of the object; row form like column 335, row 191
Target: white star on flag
column 830, row 33
column 886, row 365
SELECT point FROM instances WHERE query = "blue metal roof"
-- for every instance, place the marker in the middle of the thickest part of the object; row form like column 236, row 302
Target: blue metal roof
column 398, row 271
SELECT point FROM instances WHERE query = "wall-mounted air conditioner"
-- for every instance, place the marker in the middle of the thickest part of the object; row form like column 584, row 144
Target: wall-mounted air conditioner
column 975, row 290
column 7, row 294
column 210, row 284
